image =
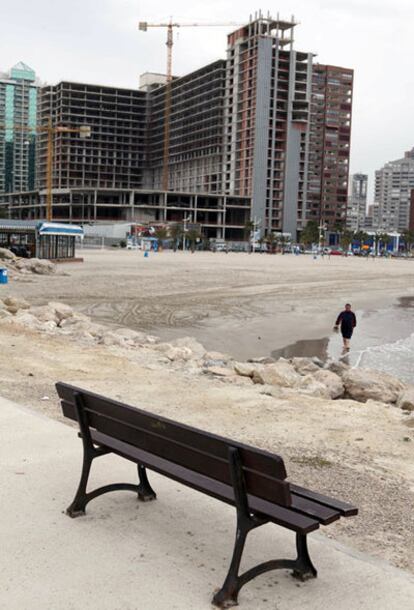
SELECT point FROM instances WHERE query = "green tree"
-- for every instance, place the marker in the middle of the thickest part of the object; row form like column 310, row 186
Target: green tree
column 176, row 233
column 361, row 236
column 161, row 234
column 383, row 239
column 248, row 228
column 346, row 238
column 271, row 241
column 193, row 235
column 408, row 238
column 310, row 234
column 282, row 241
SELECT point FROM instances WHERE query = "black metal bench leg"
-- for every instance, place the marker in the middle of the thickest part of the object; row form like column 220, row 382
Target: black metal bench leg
column 304, row 568
column 78, row 505
column 228, row 594
column 145, row 491
column 90, row 452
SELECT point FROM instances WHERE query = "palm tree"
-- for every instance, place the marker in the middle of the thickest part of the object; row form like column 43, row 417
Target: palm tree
column 408, row 237
column 346, row 239
column 384, row 239
column 310, row 233
column 193, row 235
column 248, row 228
column 176, row 233
column 161, row 233
column 282, row 240
column 271, row 241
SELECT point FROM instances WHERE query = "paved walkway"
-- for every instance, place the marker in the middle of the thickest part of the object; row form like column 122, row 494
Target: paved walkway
column 163, row 555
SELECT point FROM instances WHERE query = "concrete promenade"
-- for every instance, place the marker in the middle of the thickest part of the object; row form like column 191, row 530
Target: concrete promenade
column 163, row 555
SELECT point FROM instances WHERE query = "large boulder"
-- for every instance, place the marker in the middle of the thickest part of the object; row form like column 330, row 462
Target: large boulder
column 36, row 265
column 280, row 373
column 312, row 387
column 25, row 318
column 192, row 344
column 245, row 369
column 14, row 304
column 331, row 381
column 363, row 384
column 7, row 255
column 179, row 353
column 406, row 399
column 304, row 366
column 62, row 311
column 44, row 313
column 338, row 367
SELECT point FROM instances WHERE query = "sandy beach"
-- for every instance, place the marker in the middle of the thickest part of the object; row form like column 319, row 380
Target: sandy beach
column 245, row 305
column 362, row 453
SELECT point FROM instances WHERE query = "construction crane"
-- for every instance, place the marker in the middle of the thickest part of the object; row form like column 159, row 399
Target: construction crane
column 84, row 131
column 143, row 27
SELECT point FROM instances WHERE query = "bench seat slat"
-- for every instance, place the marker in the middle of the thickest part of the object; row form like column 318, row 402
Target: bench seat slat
column 324, row 514
column 345, row 509
column 277, row 514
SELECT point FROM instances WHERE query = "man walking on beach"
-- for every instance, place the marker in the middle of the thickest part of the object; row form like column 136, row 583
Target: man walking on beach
column 347, row 320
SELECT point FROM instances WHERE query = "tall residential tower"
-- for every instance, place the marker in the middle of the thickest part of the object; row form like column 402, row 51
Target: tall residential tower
column 18, row 106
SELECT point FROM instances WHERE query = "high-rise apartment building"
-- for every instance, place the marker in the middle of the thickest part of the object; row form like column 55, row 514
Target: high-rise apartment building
column 266, row 113
column 329, row 147
column 18, row 103
column 261, row 135
column 357, row 201
column 393, row 185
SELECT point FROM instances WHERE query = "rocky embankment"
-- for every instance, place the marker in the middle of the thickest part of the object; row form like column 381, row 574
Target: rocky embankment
column 281, row 379
column 19, row 268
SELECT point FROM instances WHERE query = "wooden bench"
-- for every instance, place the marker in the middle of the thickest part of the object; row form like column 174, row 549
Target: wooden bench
column 252, row 480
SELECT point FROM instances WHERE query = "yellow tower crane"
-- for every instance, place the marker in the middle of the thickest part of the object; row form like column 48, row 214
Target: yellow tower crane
column 84, row 131
column 143, row 26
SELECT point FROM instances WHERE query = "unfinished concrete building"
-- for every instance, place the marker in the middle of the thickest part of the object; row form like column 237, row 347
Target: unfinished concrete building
column 261, row 135
column 196, row 132
column 268, row 87
column 329, row 146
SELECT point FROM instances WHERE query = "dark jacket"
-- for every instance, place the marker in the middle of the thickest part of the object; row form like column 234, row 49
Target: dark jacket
column 346, row 319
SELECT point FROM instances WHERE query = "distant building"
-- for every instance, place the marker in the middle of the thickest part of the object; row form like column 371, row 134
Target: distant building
column 329, row 144
column 393, row 185
column 18, row 106
column 357, row 201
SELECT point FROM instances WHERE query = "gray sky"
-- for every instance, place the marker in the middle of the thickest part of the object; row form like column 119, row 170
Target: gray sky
column 98, row 42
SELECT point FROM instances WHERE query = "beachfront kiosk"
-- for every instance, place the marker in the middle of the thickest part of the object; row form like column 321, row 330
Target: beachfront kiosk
column 33, row 238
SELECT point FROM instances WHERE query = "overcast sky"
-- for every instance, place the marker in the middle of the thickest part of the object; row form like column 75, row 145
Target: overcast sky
column 97, row 41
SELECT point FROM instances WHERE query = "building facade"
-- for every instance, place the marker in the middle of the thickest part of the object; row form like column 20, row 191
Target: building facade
column 113, row 157
column 357, row 201
column 196, row 132
column 329, row 146
column 262, row 135
column 393, row 185
column 18, row 106
column 266, row 116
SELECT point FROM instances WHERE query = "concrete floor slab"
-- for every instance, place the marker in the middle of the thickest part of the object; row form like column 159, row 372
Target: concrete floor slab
column 169, row 554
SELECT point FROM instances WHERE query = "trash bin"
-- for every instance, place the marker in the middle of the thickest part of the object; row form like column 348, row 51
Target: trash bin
column 3, row 276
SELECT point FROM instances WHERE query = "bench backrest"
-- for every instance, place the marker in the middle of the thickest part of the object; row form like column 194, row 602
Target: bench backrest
column 200, row 451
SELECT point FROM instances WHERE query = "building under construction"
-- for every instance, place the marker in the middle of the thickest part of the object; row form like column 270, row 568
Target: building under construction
column 261, row 135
